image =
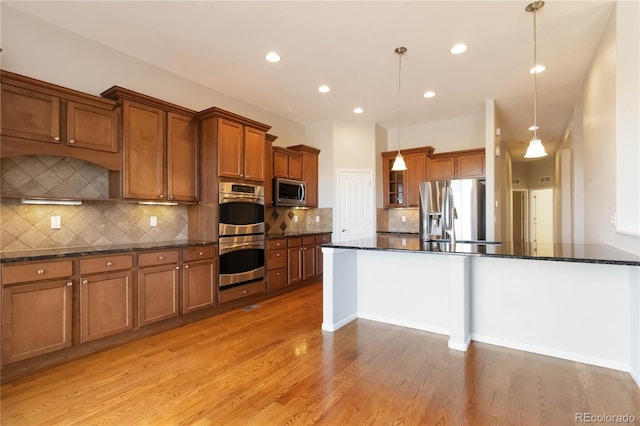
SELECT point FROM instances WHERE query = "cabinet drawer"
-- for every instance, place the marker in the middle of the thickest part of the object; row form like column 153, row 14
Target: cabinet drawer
column 158, row 258
column 106, row 264
column 323, row 238
column 242, row 291
column 309, row 240
column 197, row 253
column 294, row 242
column 37, row 271
column 276, row 259
column 276, row 244
column 277, row 278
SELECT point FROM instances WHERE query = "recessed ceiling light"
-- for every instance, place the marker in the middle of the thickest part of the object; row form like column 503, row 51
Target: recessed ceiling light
column 272, row 57
column 358, row 110
column 429, row 94
column 532, row 128
column 458, row 49
column 537, row 69
column 324, row 89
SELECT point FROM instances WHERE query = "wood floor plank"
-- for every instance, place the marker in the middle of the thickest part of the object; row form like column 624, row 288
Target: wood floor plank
column 273, row 365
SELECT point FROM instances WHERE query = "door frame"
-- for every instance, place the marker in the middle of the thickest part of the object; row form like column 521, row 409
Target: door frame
column 372, row 210
column 525, row 213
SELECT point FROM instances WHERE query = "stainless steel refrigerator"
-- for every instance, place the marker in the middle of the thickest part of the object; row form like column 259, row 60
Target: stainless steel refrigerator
column 452, row 207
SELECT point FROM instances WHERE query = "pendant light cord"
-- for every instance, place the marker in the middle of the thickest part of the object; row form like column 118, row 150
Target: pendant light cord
column 400, row 51
column 535, row 79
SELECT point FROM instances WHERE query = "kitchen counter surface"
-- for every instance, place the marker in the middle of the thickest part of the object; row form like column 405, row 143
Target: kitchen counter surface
column 586, row 253
column 62, row 252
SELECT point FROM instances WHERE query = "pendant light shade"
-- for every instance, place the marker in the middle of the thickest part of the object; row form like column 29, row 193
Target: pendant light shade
column 535, row 149
column 399, row 164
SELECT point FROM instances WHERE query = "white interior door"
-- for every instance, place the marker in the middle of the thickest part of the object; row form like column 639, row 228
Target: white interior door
column 355, row 208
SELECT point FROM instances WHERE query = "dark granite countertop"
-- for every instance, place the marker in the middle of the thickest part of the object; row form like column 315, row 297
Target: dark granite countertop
column 295, row 234
column 585, row 253
column 62, row 252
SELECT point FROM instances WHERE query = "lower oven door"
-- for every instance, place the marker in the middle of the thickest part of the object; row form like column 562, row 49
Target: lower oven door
column 241, row 259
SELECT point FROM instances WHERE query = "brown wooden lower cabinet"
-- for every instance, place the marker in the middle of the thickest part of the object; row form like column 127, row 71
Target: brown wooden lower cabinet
column 198, row 285
column 36, row 319
column 242, row 291
column 106, row 305
column 158, row 292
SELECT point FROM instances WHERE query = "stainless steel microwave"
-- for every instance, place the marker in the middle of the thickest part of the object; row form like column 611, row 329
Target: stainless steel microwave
column 288, row 192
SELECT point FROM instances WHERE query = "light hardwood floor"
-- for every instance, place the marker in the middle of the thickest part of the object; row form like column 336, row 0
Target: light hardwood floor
column 273, row 365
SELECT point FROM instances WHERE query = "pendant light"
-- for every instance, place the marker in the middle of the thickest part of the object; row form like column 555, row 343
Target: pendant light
column 535, row 149
column 398, row 164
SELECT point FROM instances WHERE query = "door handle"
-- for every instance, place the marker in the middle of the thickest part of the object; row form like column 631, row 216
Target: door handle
column 343, row 230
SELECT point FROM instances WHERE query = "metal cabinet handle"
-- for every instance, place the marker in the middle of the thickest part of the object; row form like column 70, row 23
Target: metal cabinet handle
column 56, row 138
column 200, row 253
column 69, row 284
column 40, row 271
column 161, row 196
column 71, row 141
column 85, row 281
column 186, row 266
column 109, row 264
column 160, row 257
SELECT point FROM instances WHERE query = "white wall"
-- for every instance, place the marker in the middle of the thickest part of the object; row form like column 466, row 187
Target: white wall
column 40, row 50
column 447, row 135
column 604, row 183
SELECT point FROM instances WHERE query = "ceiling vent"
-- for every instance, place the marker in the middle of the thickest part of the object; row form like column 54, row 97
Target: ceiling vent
column 515, row 181
column 545, row 179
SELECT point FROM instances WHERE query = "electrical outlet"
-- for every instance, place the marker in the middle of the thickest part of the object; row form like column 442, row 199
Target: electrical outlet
column 295, row 218
column 404, row 241
column 153, row 221
column 55, row 222
column 404, row 218
column 317, row 219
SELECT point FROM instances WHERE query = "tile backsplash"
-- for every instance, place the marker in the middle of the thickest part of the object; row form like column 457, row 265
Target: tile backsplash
column 280, row 220
column 390, row 220
column 93, row 223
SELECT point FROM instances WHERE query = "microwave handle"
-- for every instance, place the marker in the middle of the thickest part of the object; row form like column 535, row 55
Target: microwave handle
column 301, row 192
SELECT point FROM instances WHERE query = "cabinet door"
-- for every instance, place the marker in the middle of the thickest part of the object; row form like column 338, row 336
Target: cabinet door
column 319, row 263
column 198, row 285
column 295, row 166
column 36, row 319
column 106, row 305
column 393, row 184
column 280, row 163
column 441, row 168
column 230, row 148
column 158, row 288
column 182, row 158
column 416, row 173
column 308, row 262
column 310, row 176
column 470, row 165
column 91, row 127
column 254, row 153
column 143, row 152
column 295, row 264
column 29, row 114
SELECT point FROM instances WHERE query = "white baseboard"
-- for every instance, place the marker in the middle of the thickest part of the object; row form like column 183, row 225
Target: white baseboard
column 408, row 324
column 570, row 356
column 635, row 375
column 336, row 325
column 458, row 346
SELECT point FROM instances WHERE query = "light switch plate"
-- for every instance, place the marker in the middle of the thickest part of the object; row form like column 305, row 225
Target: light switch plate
column 55, row 222
column 153, row 221
column 317, row 219
column 404, row 218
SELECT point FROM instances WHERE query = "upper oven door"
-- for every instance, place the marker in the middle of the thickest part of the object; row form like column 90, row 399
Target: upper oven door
column 241, row 209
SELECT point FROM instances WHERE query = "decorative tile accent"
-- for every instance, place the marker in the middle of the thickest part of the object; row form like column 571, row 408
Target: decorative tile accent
column 290, row 214
column 93, row 223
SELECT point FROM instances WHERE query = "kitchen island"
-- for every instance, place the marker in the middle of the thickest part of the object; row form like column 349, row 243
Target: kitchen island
column 577, row 302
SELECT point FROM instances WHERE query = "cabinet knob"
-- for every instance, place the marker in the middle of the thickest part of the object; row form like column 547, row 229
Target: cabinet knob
column 85, row 281
column 244, row 291
column 40, row 271
column 200, row 253
column 56, row 138
column 277, row 254
column 246, row 176
column 109, row 263
column 160, row 257
column 186, row 266
column 277, row 274
column 71, row 141
column 69, row 284
column 161, row 196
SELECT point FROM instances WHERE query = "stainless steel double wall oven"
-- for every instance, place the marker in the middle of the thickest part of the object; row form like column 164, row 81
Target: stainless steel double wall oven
column 241, row 234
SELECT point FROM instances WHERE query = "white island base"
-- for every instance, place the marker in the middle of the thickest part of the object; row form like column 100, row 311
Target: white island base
column 585, row 312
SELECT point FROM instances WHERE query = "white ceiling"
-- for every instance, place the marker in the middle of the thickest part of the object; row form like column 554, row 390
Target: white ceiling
column 349, row 45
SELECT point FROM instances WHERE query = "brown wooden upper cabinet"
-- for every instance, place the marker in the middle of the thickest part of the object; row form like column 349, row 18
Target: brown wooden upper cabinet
column 241, row 151
column 402, row 187
column 160, row 149
column 457, row 165
column 34, row 112
column 286, row 163
column 309, row 171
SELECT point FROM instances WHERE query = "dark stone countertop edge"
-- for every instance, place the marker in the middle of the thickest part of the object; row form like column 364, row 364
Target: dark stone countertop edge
column 294, row 234
column 80, row 251
column 578, row 259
